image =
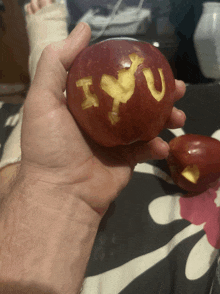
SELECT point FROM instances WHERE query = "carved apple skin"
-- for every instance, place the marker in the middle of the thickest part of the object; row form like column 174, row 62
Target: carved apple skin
column 194, row 154
column 120, row 91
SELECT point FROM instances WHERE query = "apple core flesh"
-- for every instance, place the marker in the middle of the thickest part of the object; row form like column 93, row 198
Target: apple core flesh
column 191, row 173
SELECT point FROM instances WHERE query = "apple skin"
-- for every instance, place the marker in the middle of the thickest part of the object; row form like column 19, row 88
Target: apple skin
column 198, row 151
column 141, row 117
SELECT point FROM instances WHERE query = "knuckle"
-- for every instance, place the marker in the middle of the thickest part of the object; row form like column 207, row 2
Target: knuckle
column 55, row 47
column 52, row 51
column 48, row 50
column 49, row 55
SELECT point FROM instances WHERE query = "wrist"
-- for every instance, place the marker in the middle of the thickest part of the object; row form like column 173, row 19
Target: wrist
column 50, row 233
column 83, row 187
column 62, row 199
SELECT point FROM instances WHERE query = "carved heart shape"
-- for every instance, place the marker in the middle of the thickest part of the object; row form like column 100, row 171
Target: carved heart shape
column 194, row 162
column 120, row 91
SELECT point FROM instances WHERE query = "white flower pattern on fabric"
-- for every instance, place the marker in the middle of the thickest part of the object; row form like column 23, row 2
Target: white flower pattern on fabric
column 203, row 254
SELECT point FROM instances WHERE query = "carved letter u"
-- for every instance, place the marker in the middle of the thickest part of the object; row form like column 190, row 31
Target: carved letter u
column 150, row 83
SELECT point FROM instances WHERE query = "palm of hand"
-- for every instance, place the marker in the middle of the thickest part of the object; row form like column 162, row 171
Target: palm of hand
column 55, row 151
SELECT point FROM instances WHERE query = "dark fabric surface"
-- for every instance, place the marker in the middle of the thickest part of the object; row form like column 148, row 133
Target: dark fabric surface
column 8, row 120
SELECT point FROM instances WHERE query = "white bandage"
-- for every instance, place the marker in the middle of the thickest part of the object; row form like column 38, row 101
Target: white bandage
column 46, row 26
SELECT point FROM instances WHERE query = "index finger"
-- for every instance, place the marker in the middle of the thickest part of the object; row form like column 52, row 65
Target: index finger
column 180, row 90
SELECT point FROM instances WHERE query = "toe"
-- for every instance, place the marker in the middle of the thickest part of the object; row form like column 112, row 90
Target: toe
column 43, row 3
column 35, row 6
column 29, row 9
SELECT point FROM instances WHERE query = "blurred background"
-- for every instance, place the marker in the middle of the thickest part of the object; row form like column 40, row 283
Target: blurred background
column 167, row 24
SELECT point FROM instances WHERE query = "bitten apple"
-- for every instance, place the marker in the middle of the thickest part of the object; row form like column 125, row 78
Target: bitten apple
column 194, row 162
column 120, row 91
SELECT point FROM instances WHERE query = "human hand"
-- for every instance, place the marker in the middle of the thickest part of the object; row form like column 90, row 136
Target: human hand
column 55, row 151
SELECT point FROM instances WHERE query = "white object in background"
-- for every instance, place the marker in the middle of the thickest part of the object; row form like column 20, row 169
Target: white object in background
column 130, row 21
column 207, row 40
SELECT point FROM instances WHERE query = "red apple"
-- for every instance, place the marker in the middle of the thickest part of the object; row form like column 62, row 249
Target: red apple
column 194, row 162
column 120, row 91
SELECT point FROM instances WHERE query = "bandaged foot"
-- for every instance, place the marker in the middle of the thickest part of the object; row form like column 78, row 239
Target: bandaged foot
column 46, row 23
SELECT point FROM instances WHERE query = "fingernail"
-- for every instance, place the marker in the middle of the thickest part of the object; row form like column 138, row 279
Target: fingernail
column 79, row 28
column 180, row 113
column 164, row 143
column 180, row 82
column 77, row 33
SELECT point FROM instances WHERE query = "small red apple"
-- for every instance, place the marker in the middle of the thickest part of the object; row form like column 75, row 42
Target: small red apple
column 120, row 91
column 194, row 162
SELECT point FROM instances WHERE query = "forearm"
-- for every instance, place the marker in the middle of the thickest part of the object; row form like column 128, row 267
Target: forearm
column 46, row 238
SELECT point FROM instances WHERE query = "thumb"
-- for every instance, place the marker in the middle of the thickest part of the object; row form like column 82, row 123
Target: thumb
column 46, row 91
